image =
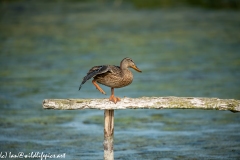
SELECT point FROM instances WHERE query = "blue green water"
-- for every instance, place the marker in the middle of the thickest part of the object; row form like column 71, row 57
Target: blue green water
column 47, row 48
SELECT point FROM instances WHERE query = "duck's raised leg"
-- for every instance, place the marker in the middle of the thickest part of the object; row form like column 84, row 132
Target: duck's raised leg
column 113, row 98
column 98, row 87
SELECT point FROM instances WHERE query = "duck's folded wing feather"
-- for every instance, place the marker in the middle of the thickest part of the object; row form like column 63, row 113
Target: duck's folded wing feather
column 95, row 71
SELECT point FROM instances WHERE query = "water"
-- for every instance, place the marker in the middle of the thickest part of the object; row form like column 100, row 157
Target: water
column 47, row 48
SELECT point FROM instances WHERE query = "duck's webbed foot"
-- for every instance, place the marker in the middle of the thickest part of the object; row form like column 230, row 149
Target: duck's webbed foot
column 113, row 98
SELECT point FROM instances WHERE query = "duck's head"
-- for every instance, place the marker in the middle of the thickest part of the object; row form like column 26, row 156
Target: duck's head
column 128, row 62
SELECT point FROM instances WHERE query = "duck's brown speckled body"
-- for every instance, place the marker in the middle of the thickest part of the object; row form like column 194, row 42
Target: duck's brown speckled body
column 112, row 76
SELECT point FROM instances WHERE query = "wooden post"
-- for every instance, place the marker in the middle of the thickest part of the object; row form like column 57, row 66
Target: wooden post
column 108, row 134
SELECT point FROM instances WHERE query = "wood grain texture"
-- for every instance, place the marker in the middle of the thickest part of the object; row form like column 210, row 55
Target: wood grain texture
column 108, row 134
column 145, row 103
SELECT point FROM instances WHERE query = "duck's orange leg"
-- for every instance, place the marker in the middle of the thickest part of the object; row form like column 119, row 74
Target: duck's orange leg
column 98, row 87
column 113, row 98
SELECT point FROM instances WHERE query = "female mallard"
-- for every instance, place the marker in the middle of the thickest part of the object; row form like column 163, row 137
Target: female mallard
column 111, row 76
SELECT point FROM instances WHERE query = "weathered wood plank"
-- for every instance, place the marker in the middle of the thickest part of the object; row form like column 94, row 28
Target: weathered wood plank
column 145, row 103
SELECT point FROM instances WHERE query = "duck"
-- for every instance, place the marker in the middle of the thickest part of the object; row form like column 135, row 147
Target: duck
column 112, row 76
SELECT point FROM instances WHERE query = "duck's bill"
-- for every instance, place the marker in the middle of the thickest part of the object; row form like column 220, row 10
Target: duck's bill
column 136, row 68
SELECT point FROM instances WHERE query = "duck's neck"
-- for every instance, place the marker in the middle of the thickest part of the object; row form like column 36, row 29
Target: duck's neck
column 124, row 70
column 123, row 65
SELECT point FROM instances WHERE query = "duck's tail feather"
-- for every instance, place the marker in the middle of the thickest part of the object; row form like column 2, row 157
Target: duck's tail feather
column 93, row 72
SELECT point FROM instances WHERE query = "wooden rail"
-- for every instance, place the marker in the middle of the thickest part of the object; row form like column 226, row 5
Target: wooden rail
column 145, row 103
column 138, row 103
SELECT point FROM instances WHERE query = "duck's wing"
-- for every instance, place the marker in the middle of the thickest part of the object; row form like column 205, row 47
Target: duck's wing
column 96, row 70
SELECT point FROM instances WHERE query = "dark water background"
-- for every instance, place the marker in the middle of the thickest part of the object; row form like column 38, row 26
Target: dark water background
column 47, row 48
